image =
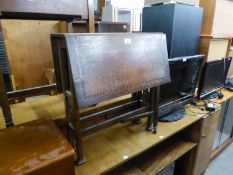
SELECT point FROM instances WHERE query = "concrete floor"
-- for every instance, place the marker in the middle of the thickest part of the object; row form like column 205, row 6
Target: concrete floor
column 223, row 164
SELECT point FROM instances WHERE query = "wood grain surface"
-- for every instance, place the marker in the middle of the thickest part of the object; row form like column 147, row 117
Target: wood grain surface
column 33, row 147
column 28, row 49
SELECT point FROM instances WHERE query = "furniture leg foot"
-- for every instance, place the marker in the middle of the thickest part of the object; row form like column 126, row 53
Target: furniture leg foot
column 9, row 122
column 80, row 161
column 154, row 130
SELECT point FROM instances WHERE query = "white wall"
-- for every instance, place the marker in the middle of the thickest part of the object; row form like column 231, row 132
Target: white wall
column 223, row 20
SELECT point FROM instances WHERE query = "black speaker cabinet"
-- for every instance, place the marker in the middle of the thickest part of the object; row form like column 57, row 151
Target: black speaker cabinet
column 181, row 23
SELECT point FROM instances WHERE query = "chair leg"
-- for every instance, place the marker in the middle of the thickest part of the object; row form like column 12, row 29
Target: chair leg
column 154, row 103
column 75, row 119
column 4, row 103
column 73, row 131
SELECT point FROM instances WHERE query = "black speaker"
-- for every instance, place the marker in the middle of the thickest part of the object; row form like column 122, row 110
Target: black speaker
column 181, row 23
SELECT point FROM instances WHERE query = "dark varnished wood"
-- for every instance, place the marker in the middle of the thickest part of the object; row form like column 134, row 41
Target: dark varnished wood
column 92, row 68
column 4, row 102
column 44, row 9
column 36, row 147
column 95, row 64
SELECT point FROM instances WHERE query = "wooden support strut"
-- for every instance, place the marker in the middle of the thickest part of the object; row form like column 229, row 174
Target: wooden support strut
column 4, row 103
column 91, row 19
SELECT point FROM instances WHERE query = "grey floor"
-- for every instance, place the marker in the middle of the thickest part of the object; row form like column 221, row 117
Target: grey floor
column 223, row 164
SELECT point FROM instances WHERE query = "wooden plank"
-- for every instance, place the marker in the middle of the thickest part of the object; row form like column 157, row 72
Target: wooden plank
column 208, row 16
column 127, row 169
column 40, row 148
column 157, row 160
column 204, row 46
column 204, row 148
column 101, row 4
column 4, row 104
column 43, row 9
column 91, row 20
column 28, row 49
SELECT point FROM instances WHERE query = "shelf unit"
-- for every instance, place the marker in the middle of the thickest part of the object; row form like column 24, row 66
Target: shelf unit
column 105, row 150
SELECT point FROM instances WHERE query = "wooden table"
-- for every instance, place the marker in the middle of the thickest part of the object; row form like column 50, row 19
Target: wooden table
column 37, row 148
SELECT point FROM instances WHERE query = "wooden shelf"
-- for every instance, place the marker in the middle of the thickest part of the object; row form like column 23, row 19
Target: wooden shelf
column 153, row 161
column 112, row 147
column 161, row 158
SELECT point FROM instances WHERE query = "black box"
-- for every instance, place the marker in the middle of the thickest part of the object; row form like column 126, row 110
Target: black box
column 181, row 23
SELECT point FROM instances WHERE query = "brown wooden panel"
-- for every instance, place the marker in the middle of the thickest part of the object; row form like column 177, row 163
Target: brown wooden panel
column 101, row 4
column 62, row 167
column 28, row 49
column 34, row 147
column 208, row 17
column 105, row 66
column 43, row 9
column 206, row 143
column 204, row 46
column 158, row 159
